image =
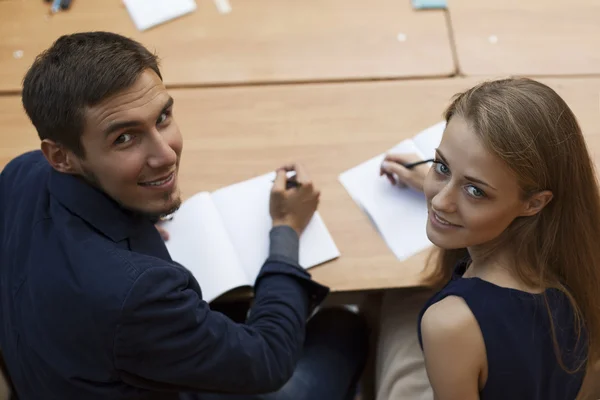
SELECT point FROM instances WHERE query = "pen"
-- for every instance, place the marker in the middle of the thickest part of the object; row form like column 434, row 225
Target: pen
column 291, row 182
column 412, row 165
column 55, row 6
column 65, row 4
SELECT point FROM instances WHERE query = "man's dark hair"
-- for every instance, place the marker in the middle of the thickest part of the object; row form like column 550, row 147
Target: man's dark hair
column 78, row 71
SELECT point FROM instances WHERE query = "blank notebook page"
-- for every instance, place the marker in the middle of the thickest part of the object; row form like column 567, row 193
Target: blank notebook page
column 244, row 208
column 399, row 214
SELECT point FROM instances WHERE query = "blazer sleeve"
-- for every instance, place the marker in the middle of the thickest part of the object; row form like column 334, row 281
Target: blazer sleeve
column 168, row 338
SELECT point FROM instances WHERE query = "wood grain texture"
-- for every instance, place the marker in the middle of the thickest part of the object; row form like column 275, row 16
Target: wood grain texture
column 534, row 37
column 259, row 41
column 233, row 134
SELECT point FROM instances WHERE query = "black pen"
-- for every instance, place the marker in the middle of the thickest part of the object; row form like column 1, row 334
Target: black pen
column 412, row 165
column 65, row 4
column 291, row 182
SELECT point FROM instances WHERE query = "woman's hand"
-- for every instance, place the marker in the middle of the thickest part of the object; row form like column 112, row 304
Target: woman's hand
column 393, row 167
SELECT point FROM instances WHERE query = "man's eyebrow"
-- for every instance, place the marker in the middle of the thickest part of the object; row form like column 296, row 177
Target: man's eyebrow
column 168, row 104
column 117, row 126
column 469, row 178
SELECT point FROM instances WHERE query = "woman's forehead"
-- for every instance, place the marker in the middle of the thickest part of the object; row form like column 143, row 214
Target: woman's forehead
column 467, row 155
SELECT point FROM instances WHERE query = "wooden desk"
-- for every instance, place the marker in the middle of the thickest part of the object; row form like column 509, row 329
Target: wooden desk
column 259, row 41
column 232, row 134
column 534, row 37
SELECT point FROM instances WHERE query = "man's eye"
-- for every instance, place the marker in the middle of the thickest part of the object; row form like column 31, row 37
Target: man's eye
column 163, row 117
column 124, row 138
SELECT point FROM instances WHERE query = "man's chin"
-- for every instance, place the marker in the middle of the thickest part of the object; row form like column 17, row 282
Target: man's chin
column 155, row 215
column 157, row 210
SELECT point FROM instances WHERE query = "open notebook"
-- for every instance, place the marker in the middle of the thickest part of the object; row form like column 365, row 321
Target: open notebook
column 223, row 237
column 399, row 214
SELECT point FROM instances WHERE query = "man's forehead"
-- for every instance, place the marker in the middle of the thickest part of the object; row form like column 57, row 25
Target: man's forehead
column 147, row 90
column 130, row 104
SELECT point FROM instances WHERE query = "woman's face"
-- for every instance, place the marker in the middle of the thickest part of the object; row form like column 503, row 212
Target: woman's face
column 472, row 196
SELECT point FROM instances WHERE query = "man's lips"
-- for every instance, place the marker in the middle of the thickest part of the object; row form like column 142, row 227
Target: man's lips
column 159, row 181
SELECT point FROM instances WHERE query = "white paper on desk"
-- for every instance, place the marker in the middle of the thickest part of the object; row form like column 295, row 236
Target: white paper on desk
column 222, row 237
column 244, row 208
column 199, row 241
column 399, row 214
column 149, row 13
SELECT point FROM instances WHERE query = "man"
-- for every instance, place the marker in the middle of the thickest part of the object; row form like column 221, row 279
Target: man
column 92, row 306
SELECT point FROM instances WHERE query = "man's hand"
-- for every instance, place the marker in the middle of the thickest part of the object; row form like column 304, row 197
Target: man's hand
column 163, row 233
column 393, row 168
column 296, row 206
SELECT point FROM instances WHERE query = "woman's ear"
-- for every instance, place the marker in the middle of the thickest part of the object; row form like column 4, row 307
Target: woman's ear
column 536, row 203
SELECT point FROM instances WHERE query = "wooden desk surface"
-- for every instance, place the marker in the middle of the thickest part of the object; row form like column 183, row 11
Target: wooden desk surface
column 232, row 134
column 534, row 37
column 259, row 41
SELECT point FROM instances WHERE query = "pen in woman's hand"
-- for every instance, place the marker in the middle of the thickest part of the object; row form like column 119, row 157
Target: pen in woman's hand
column 414, row 164
column 401, row 170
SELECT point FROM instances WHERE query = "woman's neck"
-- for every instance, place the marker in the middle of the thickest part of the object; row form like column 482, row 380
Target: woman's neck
column 485, row 263
column 499, row 268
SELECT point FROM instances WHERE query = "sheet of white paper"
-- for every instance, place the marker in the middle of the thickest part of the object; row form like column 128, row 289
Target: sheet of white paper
column 399, row 214
column 148, row 13
column 244, row 208
column 198, row 241
column 223, row 6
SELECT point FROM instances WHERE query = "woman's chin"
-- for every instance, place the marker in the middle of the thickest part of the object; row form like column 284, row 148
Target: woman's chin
column 444, row 240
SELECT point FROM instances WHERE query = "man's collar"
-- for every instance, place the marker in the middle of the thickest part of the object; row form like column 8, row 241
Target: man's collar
column 92, row 205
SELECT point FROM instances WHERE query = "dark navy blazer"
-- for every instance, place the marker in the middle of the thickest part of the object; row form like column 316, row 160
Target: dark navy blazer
column 93, row 307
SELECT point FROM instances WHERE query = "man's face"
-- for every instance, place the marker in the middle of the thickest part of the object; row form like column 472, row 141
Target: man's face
column 133, row 147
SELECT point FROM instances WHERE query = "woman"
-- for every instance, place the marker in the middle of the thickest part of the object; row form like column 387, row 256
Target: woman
column 514, row 209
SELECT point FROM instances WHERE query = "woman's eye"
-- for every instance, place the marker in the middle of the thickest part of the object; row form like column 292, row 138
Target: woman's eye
column 441, row 168
column 475, row 192
column 124, row 138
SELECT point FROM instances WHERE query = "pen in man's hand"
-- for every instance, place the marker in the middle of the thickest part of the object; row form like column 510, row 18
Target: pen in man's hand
column 291, row 182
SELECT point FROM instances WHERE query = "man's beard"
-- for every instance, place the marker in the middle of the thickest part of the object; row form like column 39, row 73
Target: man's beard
column 154, row 217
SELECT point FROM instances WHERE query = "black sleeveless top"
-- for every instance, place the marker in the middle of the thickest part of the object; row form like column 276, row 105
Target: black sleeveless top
column 516, row 329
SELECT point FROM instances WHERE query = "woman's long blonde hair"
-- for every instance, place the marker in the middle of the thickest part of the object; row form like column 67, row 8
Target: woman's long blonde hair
column 531, row 128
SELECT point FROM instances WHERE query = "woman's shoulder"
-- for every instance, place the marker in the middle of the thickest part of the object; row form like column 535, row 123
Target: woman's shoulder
column 451, row 324
column 449, row 315
column 470, row 304
column 453, row 344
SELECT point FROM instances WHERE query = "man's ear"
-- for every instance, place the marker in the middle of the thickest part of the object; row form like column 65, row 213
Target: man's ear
column 60, row 158
column 536, row 202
